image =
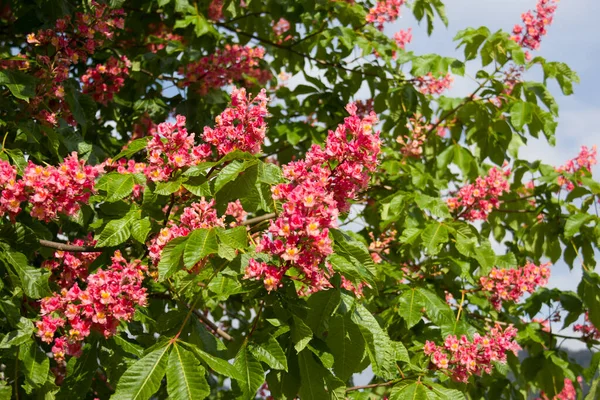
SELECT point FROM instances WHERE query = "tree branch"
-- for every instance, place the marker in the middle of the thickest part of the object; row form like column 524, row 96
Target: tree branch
column 212, row 325
column 261, row 218
column 68, row 247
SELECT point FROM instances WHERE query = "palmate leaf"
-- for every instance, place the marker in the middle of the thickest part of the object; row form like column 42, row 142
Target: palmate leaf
column 143, row 378
column 185, row 376
column 312, row 377
column 411, row 390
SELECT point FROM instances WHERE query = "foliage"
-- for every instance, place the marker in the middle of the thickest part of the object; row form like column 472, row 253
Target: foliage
column 139, row 259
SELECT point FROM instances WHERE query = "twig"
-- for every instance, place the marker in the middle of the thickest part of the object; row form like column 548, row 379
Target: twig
column 68, row 247
column 212, row 325
column 258, row 219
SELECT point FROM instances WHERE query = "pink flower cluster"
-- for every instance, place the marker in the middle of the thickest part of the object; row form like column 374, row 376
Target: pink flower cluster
column 381, row 244
column 530, row 35
column 587, row 329
column 67, row 267
column 160, row 36
column 199, row 215
column 48, row 190
column 233, row 64
column 461, row 358
column 568, row 393
column 110, row 296
column 106, row 80
column 172, row 148
column 240, row 127
column 71, row 42
column 280, row 28
column 403, row 37
column 476, row 201
column 318, row 189
column 215, row 10
column 384, row 11
column 429, row 84
column 578, row 165
column 511, row 284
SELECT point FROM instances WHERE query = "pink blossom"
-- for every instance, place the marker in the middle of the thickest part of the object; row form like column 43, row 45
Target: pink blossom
column 461, row 358
column 230, row 65
column 428, row 84
column 110, row 296
column 384, row 11
column 403, row 38
column 476, row 201
column 105, row 80
column 240, row 127
column 529, row 36
column 577, row 166
column 312, row 199
column 511, row 284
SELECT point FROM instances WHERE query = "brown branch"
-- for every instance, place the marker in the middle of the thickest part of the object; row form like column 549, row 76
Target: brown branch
column 212, row 326
column 68, row 247
column 259, row 219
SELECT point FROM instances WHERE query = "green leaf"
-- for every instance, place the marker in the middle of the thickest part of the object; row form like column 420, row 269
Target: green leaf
column 20, row 84
column 185, row 376
column 119, row 186
column 133, row 147
column 594, row 392
column 434, row 236
column 252, row 372
column 312, row 375
column 34, row 280
column 347, row 346
column 36, row 364
column 170, row 258
column 410, row 304
column 301, row 334
column 5, row 392
column 378, row 346
column 270, row 353
column 575, row 222
column 117, row 231
column 140, row 229
column 231, row 172
column 236, row 237
column 200, row 244
column 320, row 307
column 167, row 188
column 80, row 376
column 199, row 186
column 410, row 390
column 521, row 114
column 143, row 378
column 218, row 365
